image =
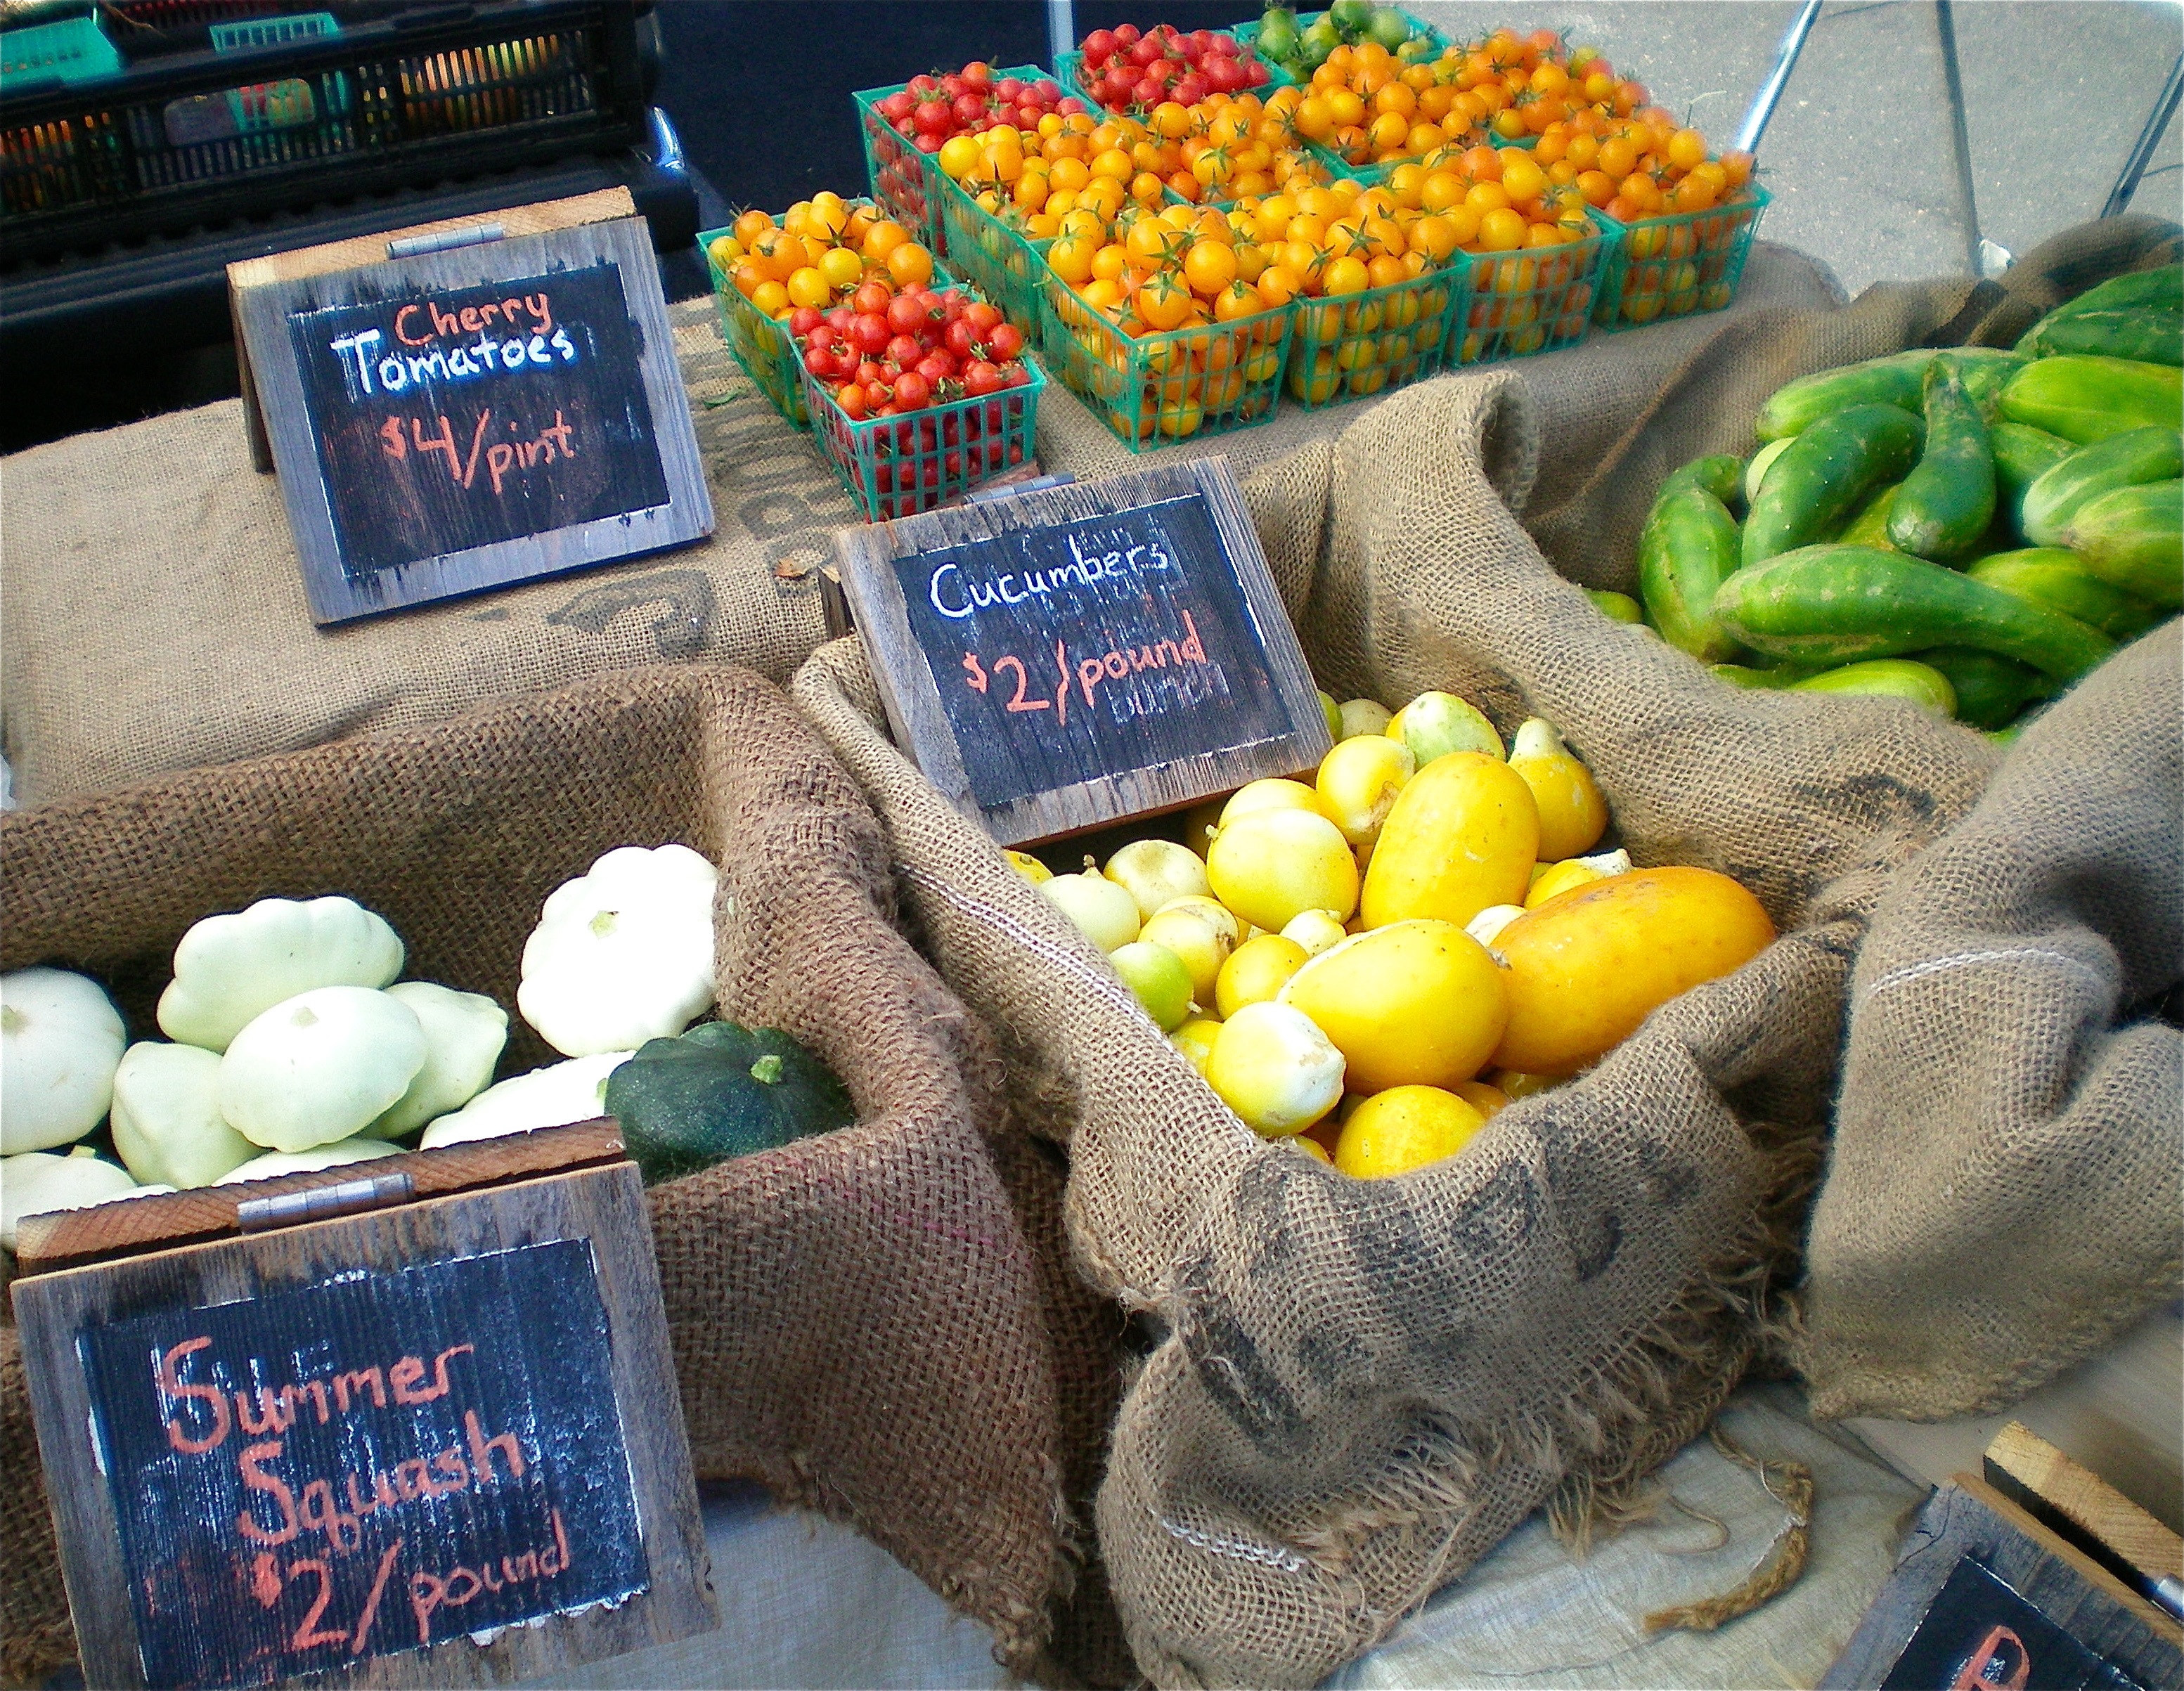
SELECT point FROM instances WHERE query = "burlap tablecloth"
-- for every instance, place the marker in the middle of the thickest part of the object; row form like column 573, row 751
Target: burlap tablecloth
column 152, row 615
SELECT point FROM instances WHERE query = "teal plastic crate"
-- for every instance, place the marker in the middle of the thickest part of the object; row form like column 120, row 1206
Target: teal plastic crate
column 899, row 466
column 256, row 33
column 1003, row 263
column 75, row 50
column 1352, row 346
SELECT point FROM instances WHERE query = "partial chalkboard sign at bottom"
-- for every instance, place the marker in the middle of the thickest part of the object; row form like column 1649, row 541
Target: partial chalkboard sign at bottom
column 1072, row 656
column 467, row 418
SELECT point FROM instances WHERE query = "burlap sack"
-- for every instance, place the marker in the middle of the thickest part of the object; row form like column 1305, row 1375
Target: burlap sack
column 858, row 1319
column 152, row 618
column 1358, row 1388
column 2002, row 1199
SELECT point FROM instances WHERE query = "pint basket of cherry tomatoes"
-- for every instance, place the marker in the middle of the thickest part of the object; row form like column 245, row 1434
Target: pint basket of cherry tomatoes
column 1151, row 321
column 815, row 253
column 990, row 248
column 1129, row 69
column 905, row 125
column 1680, row 263
column 917, row 393
column 1374, row 277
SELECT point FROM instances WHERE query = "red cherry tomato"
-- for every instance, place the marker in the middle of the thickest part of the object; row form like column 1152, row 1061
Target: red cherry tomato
column 912, row 391
column 936, row 368
column 981, row 378
column 869, row 332
column 871, row 297
column 1004, row 342
column 906, row 350
column 905, row 313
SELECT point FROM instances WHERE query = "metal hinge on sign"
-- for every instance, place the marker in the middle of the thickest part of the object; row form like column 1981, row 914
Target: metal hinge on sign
column 319, row 1202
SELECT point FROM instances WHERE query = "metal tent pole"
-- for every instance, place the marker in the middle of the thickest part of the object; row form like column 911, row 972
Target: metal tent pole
column 1061, row 28
column 1778, row 78
column 2134, row 167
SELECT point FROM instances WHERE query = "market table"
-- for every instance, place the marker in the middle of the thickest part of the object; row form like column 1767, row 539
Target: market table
column 155, row 614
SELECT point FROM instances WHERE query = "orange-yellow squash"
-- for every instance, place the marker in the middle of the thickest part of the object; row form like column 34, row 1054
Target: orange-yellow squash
column 1463, row 834
column 1587, row 966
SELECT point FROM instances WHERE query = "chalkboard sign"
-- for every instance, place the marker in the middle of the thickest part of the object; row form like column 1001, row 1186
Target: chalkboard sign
column 432, row 1443
column 464, row 419
column 364, row 1466
column 1981, row 1636
column 1068, row 657
column 1984, row 1598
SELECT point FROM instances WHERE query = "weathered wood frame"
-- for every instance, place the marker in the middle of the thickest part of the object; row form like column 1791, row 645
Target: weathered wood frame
column 603, row 1205
column 911, row 691
column 263, row 312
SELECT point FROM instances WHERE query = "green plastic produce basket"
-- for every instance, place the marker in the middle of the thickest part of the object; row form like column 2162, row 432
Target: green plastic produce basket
column 760, row 345
column 899, row 466
column 1538, row 299
column 1673, row 266
column 1155, row 390
column 1350, row 346
column 1003, row 263
column 902, row 177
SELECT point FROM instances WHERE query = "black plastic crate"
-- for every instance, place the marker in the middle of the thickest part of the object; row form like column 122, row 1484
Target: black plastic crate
column 199, row 139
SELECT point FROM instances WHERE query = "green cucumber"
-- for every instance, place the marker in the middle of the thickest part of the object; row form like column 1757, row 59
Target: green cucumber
column 2133, row 538
column 1897, row 379
column 1761, row 461
column 2121, row 460
column 1991, row 689
column 1687, row 550
column 2053, row 578
column 1720, row 473
column 2086, row 399
column 2155, row 335
column 1887, row 678
column 2021, row 456
column 1821, row 479
column 1764, row 681
column 1947, row 500
column 2161, row 288
column 1836, row 604
column 1870, row 526
column 1616, row 607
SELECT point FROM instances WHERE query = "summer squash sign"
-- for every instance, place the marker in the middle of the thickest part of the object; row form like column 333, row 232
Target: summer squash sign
column 368, row 1465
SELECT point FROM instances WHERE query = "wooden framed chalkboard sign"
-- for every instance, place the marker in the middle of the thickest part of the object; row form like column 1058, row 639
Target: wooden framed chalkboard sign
column 1063, row 659
column 475, row 414
column 372, row 1438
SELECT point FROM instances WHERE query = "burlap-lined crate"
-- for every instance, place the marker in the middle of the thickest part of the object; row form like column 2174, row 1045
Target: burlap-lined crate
column 2001, row 1200
column 1357, row 1388
column 859, row 1320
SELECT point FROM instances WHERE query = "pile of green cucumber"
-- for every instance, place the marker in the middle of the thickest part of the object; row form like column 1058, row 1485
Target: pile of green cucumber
column 1971, row 528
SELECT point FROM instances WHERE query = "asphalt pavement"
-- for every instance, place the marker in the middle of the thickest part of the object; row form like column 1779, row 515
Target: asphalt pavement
column 1860, row 157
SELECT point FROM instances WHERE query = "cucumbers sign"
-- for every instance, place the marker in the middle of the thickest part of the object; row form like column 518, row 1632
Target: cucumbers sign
column 1068, row 657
